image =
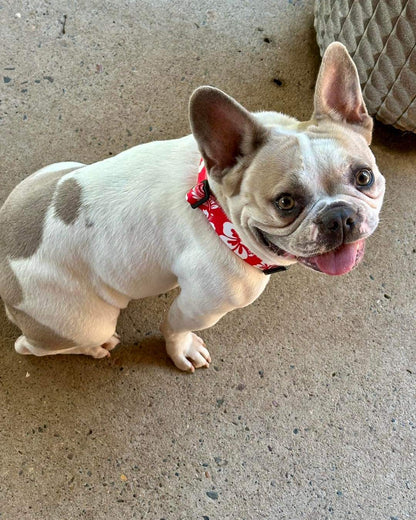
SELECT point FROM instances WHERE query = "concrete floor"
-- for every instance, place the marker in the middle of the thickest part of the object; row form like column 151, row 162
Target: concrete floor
column 308, row 409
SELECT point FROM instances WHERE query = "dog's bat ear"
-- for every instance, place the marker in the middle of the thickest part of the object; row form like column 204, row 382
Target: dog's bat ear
column 338, row 93
column 225, row 131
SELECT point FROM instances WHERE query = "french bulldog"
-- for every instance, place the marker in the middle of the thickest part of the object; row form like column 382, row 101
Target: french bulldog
column 78, row 242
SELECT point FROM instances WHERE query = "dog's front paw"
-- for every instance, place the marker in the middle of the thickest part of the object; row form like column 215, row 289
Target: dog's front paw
column 189, row 352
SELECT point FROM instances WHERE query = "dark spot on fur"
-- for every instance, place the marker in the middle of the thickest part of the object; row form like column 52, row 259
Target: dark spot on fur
column 23, row 214
column 11, row 290
column 68, row 201
column 22, row 218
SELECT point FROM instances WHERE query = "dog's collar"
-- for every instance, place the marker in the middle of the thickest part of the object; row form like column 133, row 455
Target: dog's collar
column 200, row 196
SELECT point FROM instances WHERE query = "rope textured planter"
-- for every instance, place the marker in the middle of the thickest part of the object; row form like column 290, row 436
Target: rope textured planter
column 380, row 36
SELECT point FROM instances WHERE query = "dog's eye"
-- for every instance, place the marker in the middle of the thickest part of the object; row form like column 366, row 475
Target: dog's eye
column 285, row 202
column 364, row 178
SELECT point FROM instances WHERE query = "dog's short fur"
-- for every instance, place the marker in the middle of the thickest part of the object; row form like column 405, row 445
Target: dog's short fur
column 78, row 242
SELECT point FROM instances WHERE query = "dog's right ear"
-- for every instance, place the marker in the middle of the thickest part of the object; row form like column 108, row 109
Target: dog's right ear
column 338, row 93
column 225, row 131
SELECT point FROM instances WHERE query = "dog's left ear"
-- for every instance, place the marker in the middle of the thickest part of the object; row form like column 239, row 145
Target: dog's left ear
column 338, row 93
column 225, row 131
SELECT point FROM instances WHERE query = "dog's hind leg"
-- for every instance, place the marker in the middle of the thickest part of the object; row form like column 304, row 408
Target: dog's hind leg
column 25, row 347
column 40, row 340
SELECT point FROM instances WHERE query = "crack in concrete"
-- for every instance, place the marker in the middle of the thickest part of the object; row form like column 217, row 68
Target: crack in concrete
column 63, row 24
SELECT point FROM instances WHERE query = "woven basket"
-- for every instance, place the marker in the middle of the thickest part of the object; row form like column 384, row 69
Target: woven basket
column 380, row 36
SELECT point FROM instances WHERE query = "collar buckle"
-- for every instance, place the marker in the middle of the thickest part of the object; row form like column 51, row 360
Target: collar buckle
column 276, row 269
column 207, row 193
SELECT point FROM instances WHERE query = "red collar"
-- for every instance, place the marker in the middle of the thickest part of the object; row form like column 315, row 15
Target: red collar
column 200, row 196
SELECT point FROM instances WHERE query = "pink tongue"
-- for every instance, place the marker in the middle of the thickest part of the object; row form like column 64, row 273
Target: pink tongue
column 339, row 261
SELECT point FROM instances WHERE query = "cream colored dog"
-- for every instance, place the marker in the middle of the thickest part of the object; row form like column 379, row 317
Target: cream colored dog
column 78, row 242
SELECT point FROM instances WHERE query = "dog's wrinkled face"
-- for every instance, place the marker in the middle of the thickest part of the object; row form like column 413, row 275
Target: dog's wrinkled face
column 308, row 192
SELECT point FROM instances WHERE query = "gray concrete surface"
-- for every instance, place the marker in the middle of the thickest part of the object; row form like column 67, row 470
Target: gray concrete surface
column 308, row 409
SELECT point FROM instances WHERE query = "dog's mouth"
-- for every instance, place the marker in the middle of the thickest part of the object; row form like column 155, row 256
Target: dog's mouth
column 336, row 262
column 273, row 247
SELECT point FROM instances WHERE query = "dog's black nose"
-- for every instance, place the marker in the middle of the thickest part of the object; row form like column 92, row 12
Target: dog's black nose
column 339, row 220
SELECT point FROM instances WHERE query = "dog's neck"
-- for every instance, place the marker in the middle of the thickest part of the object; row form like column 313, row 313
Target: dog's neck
column 201, row 196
